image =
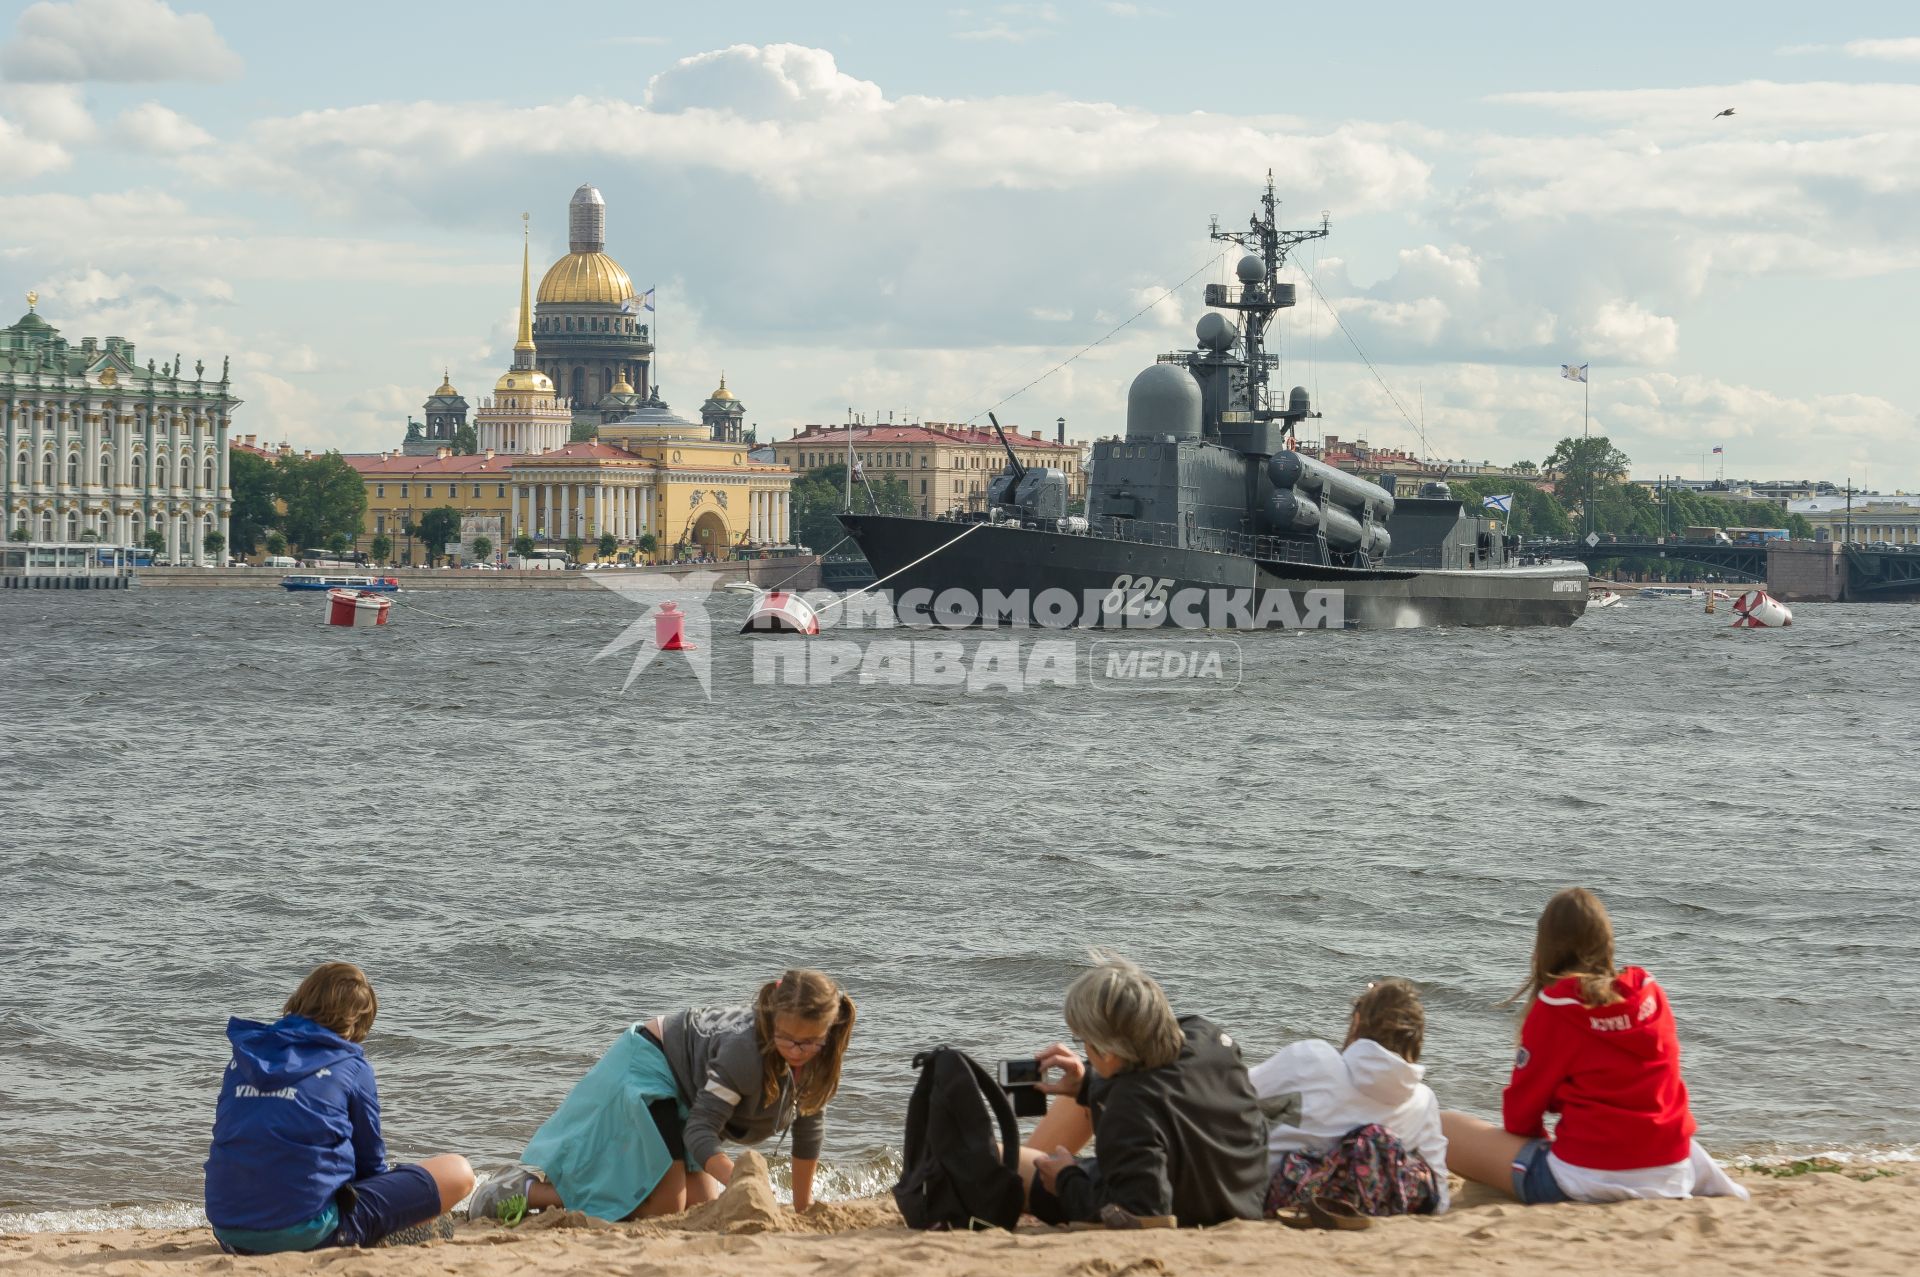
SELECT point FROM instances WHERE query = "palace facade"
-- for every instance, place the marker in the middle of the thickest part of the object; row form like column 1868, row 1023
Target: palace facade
column 98, row 447
column 946, row 467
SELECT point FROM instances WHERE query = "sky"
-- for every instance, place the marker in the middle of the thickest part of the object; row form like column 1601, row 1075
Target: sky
column 920, row 210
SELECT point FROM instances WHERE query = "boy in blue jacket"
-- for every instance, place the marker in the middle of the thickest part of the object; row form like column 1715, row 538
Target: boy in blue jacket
column 297, row 1161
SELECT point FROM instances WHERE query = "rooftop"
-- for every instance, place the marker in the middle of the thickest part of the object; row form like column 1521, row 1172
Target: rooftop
column 931, row 433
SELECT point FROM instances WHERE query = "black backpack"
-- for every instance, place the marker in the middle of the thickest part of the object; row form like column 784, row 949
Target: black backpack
column 953, row 1178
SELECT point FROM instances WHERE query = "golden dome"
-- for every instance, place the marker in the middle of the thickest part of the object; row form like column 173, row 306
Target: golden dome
column 446, row 387
column 586, row 277
column 620, row 386
column 723, row 392
column 524, row 381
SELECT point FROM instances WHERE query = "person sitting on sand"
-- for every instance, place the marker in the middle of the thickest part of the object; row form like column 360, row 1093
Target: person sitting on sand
column 1356, row 1123
column 297, row 1161
column 640, row 1134
column 1166, row 1100
column 1598, row 1046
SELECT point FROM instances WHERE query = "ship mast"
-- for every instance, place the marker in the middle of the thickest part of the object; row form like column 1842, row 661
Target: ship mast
column 1260, row 300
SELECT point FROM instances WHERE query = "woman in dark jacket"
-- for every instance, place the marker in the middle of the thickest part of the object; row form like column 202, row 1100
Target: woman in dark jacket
column 1167, row 1100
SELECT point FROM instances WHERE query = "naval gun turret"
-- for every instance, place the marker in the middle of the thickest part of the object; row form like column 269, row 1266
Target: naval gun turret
column 1034, row 496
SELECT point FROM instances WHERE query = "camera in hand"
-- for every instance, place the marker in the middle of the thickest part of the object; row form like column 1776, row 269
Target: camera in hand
column 1020, row 1079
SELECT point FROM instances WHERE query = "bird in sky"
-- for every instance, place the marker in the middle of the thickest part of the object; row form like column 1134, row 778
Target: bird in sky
column 1728, row 111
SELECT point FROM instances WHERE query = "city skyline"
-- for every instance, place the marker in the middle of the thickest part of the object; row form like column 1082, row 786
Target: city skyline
column 840, row 221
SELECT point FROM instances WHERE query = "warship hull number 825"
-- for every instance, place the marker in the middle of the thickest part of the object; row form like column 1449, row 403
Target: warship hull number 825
column 1205, row 517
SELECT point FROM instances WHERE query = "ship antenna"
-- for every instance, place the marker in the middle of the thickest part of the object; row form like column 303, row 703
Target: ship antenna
column 1260, row 302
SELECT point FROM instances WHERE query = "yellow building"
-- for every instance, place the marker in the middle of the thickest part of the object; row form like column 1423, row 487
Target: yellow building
column 400, row 489
column 651, row 478
column 945, row 466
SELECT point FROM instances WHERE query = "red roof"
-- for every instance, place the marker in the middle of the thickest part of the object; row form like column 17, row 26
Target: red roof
column 962, row 435
column 236, row 445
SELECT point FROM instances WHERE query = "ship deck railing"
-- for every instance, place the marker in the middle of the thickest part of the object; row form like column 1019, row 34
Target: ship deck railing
column 1175, row 536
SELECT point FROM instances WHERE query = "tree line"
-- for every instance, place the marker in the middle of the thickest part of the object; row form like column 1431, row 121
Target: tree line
column 1590, row 475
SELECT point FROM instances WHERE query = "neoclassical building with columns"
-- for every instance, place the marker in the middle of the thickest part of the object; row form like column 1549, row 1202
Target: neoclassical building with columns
column 98, row 446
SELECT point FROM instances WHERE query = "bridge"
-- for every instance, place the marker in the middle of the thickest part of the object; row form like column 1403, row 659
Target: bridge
column 1746, row 560
column 1797, row 571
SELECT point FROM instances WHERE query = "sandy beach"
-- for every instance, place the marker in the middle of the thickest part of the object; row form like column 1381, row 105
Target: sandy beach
column 1856, row 1221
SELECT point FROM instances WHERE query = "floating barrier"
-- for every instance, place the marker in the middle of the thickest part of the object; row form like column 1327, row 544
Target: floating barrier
column 781, row 612
column 1759, row 610
column 356, row 607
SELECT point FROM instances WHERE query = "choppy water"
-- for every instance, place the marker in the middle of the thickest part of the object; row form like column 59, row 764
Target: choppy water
column 202, row 794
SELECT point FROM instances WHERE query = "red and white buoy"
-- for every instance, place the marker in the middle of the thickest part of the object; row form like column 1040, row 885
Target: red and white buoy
column 356, row 607
column 1759, row 610
column 781, row 612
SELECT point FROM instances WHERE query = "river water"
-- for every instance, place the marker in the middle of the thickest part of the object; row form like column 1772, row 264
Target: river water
column 204, row 793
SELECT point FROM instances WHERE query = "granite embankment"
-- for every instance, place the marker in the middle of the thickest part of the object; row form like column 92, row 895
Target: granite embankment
column 799, row 574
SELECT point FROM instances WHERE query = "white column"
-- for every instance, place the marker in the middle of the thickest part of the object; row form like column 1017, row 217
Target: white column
column 601, row 523
column 786, row 512
column 626, row 514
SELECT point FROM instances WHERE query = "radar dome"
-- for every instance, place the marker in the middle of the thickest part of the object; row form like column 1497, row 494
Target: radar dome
column 1163, row 400
column 1215, row 331
column 1251, row 269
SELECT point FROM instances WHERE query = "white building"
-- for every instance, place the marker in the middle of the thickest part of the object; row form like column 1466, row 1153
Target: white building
column 525, row 416
column 1867, row 518
column 96, row 446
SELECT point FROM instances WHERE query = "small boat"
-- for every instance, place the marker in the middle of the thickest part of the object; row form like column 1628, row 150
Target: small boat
column 357, row 607
column 1683, row 593
column 1601, row 596
column 330, row 581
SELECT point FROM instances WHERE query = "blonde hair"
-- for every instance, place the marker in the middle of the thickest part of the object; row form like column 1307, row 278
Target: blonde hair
column 1121, row 1010
column 337, row 996
column 1573, row 940
column 1390, row 1013
column 810, row 995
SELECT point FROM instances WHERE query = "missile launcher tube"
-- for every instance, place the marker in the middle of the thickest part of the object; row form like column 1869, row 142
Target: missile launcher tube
column 1337, row 487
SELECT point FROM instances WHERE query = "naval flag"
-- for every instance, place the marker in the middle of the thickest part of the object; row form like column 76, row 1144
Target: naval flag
column 1503, row 504
column 1573, row 374
column 1719, row 452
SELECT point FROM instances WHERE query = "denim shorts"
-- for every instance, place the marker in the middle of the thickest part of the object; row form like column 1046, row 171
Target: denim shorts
column 1533, row 1181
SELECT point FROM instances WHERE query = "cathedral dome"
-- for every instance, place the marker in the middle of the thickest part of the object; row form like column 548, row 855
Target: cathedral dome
column 722, row 393
column 446, row 390
column 586, row 277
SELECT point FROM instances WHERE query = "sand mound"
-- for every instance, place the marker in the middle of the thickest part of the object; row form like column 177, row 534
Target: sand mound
column 748, row 1205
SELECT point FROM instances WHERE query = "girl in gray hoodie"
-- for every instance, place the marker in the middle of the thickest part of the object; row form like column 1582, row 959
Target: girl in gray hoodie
column 641, row 1133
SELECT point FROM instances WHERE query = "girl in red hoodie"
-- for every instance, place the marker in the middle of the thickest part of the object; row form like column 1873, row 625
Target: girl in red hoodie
column 1598, row 1048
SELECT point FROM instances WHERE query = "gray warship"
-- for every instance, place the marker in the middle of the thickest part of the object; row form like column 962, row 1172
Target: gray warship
column 1205, row 515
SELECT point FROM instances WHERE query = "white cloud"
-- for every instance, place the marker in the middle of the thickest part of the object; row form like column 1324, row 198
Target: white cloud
column 774, row 82
column 51, row 112
column 1624, row 332
column 158, row 235
column 1904, row 49
column 24, row 157
column 152, row 127
column 124, row 41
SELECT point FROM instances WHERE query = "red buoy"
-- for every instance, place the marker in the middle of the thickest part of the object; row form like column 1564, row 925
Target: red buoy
column 669, row 629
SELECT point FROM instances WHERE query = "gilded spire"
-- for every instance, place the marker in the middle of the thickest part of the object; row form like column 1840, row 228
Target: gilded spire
column 33, row 299
column 523, row 346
